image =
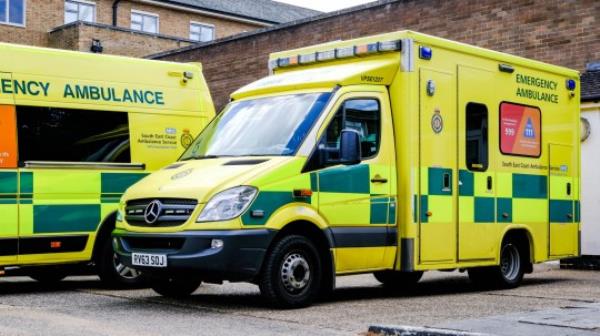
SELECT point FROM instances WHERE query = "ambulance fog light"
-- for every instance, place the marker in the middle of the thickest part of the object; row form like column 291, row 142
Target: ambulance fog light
column 216, row 244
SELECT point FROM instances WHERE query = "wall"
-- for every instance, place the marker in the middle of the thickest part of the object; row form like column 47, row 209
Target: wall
column 590, row 190
column 177, row 23
column 40, row 17
column 118, row 41
column 563, row 32
column 44, row 16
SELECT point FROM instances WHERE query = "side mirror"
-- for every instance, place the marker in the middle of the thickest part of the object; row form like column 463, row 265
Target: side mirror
column 349, row 147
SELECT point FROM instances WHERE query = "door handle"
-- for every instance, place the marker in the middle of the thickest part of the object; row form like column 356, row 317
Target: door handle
column 378, row 179
column 489, row 183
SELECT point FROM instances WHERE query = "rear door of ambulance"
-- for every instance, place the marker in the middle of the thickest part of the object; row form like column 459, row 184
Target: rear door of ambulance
column 9, row 220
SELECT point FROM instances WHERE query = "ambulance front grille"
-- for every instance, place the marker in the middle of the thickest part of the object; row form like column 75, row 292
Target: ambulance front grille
column 163, row 212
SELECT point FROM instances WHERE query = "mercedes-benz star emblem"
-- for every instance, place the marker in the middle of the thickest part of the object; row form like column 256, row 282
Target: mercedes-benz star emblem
column 152, row 212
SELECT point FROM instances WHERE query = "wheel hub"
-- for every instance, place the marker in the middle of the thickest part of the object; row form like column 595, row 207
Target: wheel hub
column 510, row 262
column 124, row 271
column 295, row 273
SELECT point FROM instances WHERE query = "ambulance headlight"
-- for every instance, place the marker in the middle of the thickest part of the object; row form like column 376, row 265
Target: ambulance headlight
column 119, row 215
column 228, row 204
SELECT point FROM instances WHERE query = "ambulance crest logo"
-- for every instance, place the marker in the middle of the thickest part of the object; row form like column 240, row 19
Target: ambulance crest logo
column 186, row 138
column 529, row 132
column 437, row 123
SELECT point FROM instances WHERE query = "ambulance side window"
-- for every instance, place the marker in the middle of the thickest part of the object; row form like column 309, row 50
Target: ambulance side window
column 66, row 135
column 477, row 137
column 362, row 115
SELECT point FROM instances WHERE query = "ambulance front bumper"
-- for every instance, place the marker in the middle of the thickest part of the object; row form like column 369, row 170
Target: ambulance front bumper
column 235, row 255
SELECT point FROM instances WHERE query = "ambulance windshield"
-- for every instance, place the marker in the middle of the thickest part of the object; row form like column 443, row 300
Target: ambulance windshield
column 265, row 126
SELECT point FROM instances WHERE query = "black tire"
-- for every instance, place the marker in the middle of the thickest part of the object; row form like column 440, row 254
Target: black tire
column 174, row 287
column 398, row 279
column 509, row 274
column 291, row 275
column 48, row 275
column 112, row 272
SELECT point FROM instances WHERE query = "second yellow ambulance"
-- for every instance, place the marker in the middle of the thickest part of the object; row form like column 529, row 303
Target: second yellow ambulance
column 393, row 154
column 76, row 130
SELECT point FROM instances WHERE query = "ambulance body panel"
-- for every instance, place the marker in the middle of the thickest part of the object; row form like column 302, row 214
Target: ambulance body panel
column 77, row 130
column 469, row 159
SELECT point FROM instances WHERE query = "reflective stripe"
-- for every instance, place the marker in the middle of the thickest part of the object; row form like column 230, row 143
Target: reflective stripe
column 66, row 218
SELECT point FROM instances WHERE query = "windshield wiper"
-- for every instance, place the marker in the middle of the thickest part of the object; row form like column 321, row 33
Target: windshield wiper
column 201, row 157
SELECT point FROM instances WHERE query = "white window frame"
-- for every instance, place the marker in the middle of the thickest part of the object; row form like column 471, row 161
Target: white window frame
column 80, row 2
column 143, row 13
column 202, row 24
column 7, row 23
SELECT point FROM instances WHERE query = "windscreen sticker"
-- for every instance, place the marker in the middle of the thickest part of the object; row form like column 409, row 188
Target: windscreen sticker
column 520, row 130
column 8, row 137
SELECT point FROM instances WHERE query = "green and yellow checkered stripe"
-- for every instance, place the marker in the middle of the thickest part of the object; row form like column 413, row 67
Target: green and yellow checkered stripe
column 331, row 185
column 62, row 201
column 519, row 198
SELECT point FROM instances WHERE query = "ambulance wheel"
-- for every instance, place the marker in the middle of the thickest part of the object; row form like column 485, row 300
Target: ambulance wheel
column 174, row 287
column 398, row 279
column 48, row 275
column 508, row 274
column 112, row 272
column 291, row 276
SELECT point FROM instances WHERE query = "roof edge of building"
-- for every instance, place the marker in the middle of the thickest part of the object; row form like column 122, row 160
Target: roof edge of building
column 219, row 12
column 117, row 28
column 282, row 26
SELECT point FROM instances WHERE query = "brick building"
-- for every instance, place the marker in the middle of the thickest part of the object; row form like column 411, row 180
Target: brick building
column 136, row 27
column 562, row 32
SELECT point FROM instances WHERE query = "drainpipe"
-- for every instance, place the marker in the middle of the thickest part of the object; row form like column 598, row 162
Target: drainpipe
column 115, row 9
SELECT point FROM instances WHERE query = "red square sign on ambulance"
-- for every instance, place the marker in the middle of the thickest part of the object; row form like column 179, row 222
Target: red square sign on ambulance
column 8, row 137
column 520, row 130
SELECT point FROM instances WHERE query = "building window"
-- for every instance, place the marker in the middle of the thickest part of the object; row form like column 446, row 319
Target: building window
column 12, row 12
column 105, row 138
column 201, row 32
column 477, row 137
column 79, row 11
column 146, row 22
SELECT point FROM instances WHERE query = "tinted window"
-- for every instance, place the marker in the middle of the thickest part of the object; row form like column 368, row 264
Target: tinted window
column 477, row 137
column 56, row 134
column 361, row 115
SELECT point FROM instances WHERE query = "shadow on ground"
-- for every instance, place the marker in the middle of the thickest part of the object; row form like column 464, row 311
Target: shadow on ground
column 455, row 285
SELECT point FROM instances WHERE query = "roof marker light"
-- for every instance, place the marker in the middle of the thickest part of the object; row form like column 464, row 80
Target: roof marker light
column 325, row 55
column 425, row 53
column 307, row 58
column 365, row 49
column 389, row 46
column 287, row 61
column 344, row 52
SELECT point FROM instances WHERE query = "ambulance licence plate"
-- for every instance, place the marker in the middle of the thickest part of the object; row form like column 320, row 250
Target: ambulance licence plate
column 149, row 260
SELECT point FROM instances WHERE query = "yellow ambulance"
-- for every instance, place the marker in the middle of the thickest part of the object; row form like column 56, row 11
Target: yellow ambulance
column 392, row 154
column 76, row 130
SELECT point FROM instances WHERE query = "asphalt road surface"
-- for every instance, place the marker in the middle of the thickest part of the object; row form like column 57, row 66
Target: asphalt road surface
column 80, row 306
